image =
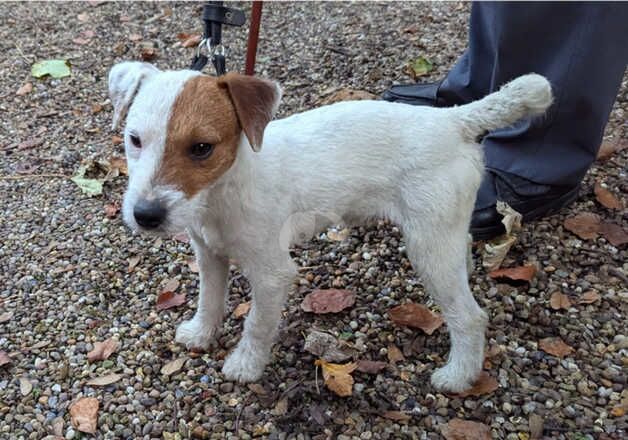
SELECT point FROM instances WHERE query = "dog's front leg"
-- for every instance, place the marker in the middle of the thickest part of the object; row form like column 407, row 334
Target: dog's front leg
column 271, row 280
column 202, row 330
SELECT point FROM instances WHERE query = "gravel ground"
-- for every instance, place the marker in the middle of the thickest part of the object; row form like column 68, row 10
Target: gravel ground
column 65, row 282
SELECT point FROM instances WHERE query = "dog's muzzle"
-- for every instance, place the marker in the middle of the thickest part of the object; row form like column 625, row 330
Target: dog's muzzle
column 149, row 214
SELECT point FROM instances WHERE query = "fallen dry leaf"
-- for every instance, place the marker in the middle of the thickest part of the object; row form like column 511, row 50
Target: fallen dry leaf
column 417, row 316
column 172, row 366
column 242, row 309
column 170, row 286
column 257, row 389
column 555, row 347
column 520, row 273
column 105, row 380
column 119, row 163
column 348, row 95
column 168, row 300
column 133, row 261
column 116, row 140
column 192, row 41
column 84, row 414
column 458, row 429
column 397, row 416
column 338, row 377
column 585, row 225
column 589, row 297
column 536, row 422
column 614, row 234
column 328, row 301
column 25, row 89
column 605, row 197
column 618, row 411
column 608, row 148
column 181, row 237
column 112, row 209
column 102, row 350
column 485, row 384
column 4, row 358
column 371, row 367
column 327, row 347
column 6, row 316
column 148, row 53
column 394, row 354
column 281, row 407
column 559, row 300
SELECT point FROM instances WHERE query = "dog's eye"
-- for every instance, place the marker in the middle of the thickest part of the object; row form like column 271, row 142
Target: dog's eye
column 201, row 151
column 135, row 140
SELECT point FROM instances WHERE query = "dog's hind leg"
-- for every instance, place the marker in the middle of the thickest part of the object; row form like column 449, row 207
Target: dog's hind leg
column 202, row 329
column 439, row 256
column 271, row 278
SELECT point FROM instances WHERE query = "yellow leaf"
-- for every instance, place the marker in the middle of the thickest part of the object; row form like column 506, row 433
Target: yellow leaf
column 338, row 376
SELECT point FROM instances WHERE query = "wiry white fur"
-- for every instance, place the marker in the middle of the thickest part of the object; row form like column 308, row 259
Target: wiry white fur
column 417, row 166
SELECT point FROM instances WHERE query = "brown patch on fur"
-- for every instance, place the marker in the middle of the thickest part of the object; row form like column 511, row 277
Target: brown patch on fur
column 255, row 101
column 202, row 113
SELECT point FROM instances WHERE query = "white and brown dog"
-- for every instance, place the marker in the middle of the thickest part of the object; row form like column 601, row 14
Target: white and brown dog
column 205, row 157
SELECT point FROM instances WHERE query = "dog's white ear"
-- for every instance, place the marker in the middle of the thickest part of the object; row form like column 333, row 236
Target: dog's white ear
column 125, row 80
column 255, row 101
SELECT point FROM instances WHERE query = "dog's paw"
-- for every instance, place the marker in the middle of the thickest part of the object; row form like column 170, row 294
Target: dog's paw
column 193, row 334
column 245, row 364
column 453, row 379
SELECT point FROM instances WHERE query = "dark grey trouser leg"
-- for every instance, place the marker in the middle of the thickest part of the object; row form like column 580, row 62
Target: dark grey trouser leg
column 582, row 48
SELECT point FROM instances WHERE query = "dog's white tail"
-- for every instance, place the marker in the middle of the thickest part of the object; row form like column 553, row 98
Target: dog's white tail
column 525, row 96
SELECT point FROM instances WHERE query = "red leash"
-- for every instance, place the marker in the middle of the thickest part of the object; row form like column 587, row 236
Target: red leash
column 251, row 49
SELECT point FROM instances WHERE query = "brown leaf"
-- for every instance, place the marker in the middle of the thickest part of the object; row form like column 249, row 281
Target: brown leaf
column 608, row 148
column 242, row 309
column 84, row 414
column 168, row 300
column 96, row 108
column 614, row 234
column 119, row 163
column 281, row 407
column 172, row 366
column 193, row 41
column 589, row 297
column 112, row 209
column 535, row 422
column 371, row 367
column 520, row 273
column 485, row 384
column 148, row 53
column 417, row 316
column 24, row 90
column 555, row 347
column 182, row 36
column 618, row 411
column 116, row 140
column 394, row 354
column 397, row 416
column 458, row 429
column 102, row 350
column 338, row 377
column 348, row 95
column 133, row 261
column 103, row 381
column 257, row 389
column 328, row 301
column 585, row 225
column 605, row 197
column 327, row 347
column 6, row 316
column 181, row 237
column 4, row 358
column 171, row 285
column 559, row 300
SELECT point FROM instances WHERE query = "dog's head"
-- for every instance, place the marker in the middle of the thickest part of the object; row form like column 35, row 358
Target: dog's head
column 183, row 132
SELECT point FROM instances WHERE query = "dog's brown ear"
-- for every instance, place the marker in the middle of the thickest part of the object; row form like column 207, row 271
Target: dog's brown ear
column 255, row 101
column 125, row 79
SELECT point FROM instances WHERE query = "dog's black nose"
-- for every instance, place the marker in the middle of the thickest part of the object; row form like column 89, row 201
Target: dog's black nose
column 149, row 213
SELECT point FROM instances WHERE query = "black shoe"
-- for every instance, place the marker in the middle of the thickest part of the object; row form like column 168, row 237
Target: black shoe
column 415, row 94
column 530, row 199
